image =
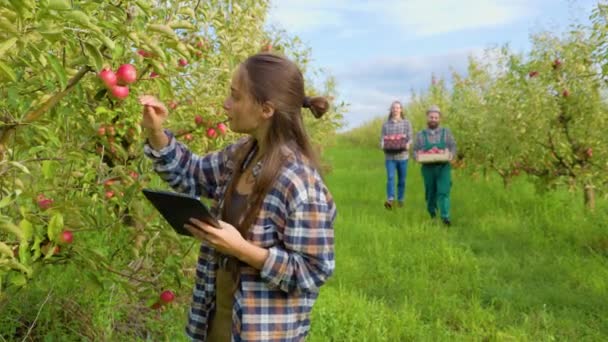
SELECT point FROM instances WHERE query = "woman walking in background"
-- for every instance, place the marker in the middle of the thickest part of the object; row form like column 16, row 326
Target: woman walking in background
column 395, row 141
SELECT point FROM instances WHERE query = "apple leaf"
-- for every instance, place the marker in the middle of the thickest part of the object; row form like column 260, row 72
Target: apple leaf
column 55, row 226
column 7, row 72
column 47, row 169
column 7, row 45
column 25, row 254
column 59, row 5
column 9, row 227
column 6, row 250
column 20, row 167
column 27, row 228
column 94, row 56
column 59, row 70
column 5, row 201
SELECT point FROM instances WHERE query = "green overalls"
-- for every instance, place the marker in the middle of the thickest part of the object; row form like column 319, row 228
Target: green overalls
column 437, row 180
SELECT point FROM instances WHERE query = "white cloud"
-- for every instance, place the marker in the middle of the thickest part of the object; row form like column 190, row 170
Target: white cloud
column 369, row 86
column 415, row 18
column 431, row 17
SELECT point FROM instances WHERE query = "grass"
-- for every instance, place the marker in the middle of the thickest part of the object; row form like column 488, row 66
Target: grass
column 515, row 266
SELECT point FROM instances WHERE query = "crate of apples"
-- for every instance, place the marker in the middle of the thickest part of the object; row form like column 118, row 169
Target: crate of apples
column 434, row 155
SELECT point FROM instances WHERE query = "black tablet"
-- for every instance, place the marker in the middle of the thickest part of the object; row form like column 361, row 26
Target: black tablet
column 178, row 208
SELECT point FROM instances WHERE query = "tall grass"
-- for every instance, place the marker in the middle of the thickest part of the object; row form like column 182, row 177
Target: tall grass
column 514, row 266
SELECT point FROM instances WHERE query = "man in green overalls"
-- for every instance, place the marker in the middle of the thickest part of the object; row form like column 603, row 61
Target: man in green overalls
column 437, row 176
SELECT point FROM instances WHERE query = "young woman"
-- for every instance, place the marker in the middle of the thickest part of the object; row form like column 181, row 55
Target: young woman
column 259, row 275
column 395, row 141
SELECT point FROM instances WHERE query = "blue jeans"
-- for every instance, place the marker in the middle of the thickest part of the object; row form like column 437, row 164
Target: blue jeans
column 401, row 167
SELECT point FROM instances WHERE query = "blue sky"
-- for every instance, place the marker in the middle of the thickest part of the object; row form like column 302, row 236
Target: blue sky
column 379, row 50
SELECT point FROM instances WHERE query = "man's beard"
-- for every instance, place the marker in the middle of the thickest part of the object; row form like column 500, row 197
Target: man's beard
column 432, row 125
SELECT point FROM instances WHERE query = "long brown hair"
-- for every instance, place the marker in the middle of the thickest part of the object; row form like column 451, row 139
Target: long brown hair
column 277, row 80
column 390, row 110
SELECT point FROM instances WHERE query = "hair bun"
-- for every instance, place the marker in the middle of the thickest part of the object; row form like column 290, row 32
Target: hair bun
column 318, row 105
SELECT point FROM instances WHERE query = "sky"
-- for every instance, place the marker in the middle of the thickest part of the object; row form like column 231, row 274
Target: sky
column 380, row 50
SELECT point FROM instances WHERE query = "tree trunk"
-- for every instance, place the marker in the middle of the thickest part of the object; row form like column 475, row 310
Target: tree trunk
column 589, row 197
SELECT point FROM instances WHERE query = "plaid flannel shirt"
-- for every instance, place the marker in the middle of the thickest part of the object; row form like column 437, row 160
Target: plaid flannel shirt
column 295, row 224
column 390, row 127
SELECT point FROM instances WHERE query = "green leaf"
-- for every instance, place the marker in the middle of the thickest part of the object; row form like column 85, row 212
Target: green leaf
column 163, row 29
column 27, row 228
column 47, row 169
column 10, row 227
column 36, row 247
column 80, row 18
column 144, row 7
column 59, row 5
column 20, row 167
column 5, row 201
column 55, row 226
column 7, row 45
column 182, row 24
column 7, row 26
column 100, row 94
column 94, row 56
column 109, row 43
column 59, row 70
column 25, row 255
column 164, row 88
column 6, row 250
column 19, row 266
column 7, row 72
column 17, row 279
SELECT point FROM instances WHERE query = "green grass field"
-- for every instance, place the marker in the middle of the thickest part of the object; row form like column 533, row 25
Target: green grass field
column 515, row 266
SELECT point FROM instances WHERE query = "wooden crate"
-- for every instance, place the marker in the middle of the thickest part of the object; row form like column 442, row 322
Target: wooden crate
column 427, row 158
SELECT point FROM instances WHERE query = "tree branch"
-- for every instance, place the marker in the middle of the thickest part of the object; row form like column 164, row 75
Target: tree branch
column 47, row 105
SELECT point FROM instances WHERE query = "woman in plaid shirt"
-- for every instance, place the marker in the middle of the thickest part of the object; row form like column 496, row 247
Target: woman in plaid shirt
column 259, row 275
column 396, row 159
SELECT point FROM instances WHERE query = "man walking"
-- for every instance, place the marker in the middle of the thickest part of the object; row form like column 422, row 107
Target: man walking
column 437, row 176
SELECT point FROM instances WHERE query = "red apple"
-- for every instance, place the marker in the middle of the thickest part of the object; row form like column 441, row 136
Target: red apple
column 173, row 105
column 109, row 194
column 589, row 152
column 126, row 74
column 198, row 120
column 557, row 63
column 153, row 75
column 198, row 54
column 120, row 92
column 566, row 93
column 182, row 62
column 144, row 53
column 167, row 296
column 101, row 131
column 188, row 137
column 200, row 44
column 222, row 127
column 156, row 306
column 108, row 77
column 66, row 237
column 43, row 202
column 133, row 174
column 211, row 133
column 111, row 131
column 533, row 74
